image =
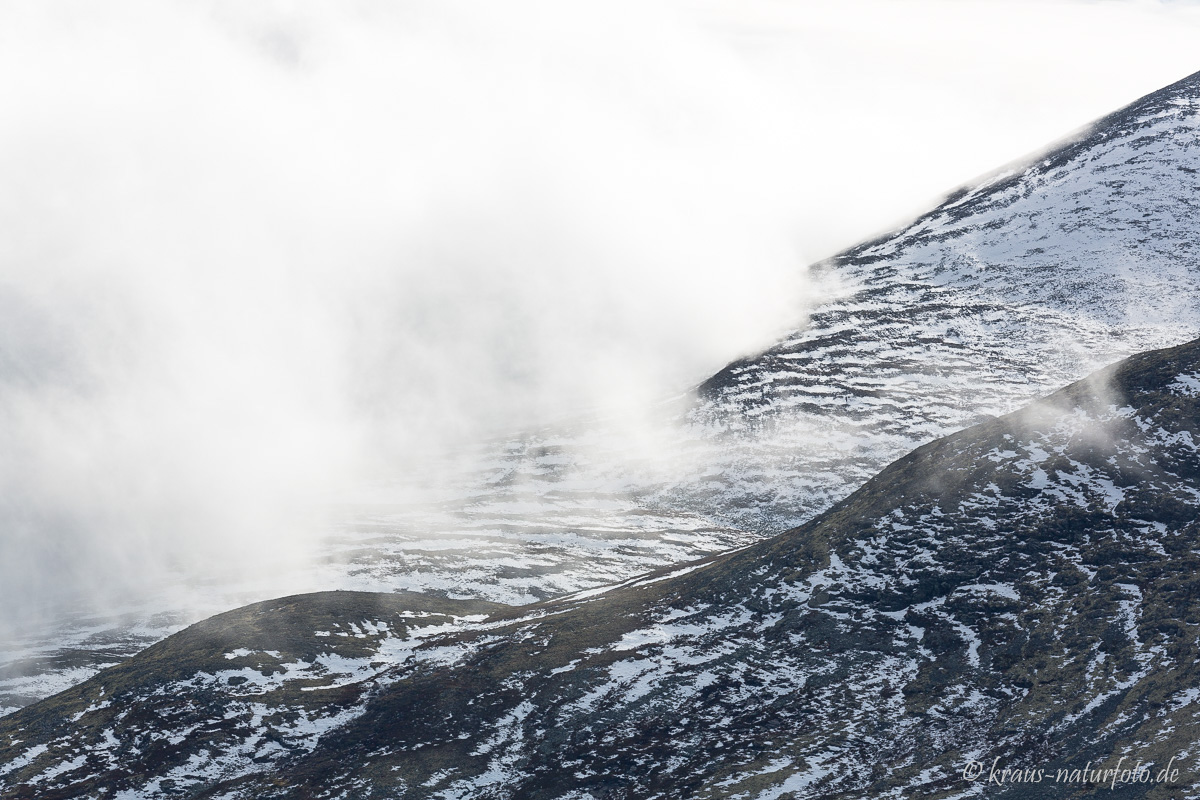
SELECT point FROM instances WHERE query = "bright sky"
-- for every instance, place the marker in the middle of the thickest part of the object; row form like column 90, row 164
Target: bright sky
column 905, row 99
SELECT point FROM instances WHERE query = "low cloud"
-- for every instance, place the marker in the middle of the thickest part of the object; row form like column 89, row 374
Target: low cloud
column 254, row 254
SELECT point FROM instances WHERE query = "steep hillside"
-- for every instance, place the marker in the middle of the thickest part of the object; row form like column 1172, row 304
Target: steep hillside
column 1012, row 287
column 1025, row 590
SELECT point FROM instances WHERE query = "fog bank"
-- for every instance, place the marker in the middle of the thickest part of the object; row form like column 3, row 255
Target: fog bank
column 253, row 255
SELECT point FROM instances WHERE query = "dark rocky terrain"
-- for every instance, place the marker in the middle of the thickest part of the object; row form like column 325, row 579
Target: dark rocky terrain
column 1026, row 590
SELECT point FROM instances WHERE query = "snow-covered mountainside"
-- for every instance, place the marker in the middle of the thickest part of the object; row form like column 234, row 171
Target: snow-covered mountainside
column 1010, row 288
column 1002, row 292
column 1024, row 594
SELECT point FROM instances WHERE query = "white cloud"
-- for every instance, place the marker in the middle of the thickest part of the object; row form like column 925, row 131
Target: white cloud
column 248, row 250
column 907, row 99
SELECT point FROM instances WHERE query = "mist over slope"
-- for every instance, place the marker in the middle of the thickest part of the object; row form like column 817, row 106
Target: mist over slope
column 1028, row 281
column 253, row 253
column 1010, row 288
column 1024, row 590
column 1042, row 273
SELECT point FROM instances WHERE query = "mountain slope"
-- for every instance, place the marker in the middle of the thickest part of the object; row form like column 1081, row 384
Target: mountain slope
column 1025, row 282
column 1027, row 589
column 1012, row 287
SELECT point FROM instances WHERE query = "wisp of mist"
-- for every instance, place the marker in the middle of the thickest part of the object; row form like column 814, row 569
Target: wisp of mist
column 254, row 253
column 251, row 255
